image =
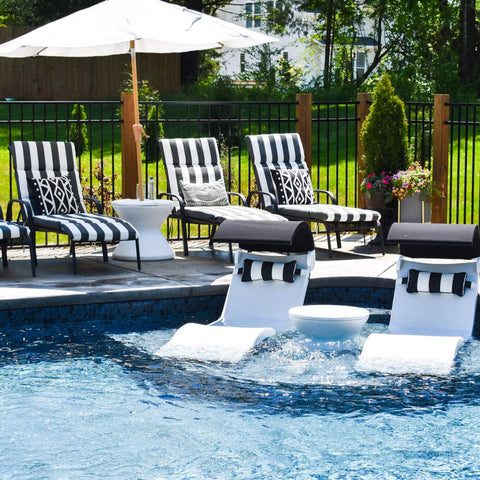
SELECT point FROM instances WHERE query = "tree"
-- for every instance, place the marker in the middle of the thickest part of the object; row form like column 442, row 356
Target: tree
column 469, row 44
column 39, row 12
column 78, row 133
column 384, row 131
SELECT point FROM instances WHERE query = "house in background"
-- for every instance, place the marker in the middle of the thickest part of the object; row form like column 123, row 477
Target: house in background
column 300, row 49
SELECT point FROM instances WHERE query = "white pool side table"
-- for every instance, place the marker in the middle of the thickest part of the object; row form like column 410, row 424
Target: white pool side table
column 147, row 217
column 329, row 321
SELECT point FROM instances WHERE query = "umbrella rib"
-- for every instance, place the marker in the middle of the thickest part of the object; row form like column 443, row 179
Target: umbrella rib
column 193, row 22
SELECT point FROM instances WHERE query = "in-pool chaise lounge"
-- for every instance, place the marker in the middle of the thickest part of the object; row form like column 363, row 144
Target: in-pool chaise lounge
column 195, row 182
column 270, row 276
column 50, row 193
column 434, row 303
column 285, row 187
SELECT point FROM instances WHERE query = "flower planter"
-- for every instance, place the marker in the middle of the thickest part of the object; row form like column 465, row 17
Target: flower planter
column 375, row 202
column 414, row 208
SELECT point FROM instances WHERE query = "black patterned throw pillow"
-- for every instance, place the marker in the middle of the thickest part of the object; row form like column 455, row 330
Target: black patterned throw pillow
column 52, row 196
column 293, row 186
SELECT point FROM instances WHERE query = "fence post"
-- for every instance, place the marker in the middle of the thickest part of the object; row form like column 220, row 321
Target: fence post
column 363, row 100
column 441, row 129
column 129, row 152
column 304, row 124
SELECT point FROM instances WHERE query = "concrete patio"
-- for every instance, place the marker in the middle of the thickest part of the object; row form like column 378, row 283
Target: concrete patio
column 203, row 272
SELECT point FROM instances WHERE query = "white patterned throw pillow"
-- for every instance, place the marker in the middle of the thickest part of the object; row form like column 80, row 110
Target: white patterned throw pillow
column 293, row 186
column 53, row 196
column 204, row 194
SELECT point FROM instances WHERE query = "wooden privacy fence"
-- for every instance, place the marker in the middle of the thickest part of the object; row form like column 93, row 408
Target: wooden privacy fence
column 91, row 78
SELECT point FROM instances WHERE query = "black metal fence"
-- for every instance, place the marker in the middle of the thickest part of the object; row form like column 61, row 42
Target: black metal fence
column 334, row 143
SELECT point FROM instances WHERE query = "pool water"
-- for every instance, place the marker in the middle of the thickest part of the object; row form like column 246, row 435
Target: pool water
column 79, row 402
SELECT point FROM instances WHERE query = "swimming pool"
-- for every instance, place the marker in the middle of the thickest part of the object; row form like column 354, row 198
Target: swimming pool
column 88, row 400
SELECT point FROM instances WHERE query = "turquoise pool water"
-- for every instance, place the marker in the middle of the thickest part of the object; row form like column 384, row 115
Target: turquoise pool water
column 81, row 401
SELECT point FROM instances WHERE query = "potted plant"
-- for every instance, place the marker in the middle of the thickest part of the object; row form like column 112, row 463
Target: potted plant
column 384, row 134
column 377, row 190
column 415, row 189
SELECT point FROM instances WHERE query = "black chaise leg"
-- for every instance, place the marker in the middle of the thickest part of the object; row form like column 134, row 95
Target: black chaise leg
column 185, row 237
column 33, row 254
column 339, row 240
column 137, row 247
column 212, row 233
column 104, row 252
column 4, row 253
column 74, row 257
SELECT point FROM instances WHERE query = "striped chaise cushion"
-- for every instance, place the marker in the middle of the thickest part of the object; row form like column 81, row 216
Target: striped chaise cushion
column 324, row 212
column 43, row 160
column 271, row 151
column 192, row 160
column 58, row 159
column 285, row 150
column 88, row 227
column 9, row 230
column 229, row 212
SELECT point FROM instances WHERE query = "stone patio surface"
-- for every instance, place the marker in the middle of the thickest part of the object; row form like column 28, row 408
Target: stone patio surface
column 203, row 272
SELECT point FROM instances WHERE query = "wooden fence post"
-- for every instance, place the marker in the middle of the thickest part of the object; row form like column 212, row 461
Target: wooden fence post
column 304, row 124
column 441, row 115
column 364, row 100
column 129, row 152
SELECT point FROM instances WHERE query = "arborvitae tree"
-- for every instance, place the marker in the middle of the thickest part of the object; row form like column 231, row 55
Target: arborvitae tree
column 384, row 132
column 78, row 133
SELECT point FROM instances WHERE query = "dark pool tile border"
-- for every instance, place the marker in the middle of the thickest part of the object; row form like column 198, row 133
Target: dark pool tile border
column 154, row 313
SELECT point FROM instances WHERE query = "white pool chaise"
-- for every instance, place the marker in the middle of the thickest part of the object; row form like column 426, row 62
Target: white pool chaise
column 264, row 286
column 433, row 314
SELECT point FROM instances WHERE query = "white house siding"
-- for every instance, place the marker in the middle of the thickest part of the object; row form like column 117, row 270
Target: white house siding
column 301, row 53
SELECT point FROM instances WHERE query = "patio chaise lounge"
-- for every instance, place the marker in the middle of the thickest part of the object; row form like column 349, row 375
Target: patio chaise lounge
column 11, row 231
column 50, row 195
column 285, row 188
column 196, row 184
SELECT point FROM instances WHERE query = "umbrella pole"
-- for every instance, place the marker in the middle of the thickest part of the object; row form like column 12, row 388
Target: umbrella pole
column 137, row 128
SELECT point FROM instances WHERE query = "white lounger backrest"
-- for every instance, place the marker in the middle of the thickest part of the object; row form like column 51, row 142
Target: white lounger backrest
column 265, row 303
column 443, row 314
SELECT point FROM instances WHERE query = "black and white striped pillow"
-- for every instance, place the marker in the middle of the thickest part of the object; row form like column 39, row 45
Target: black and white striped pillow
column 257, row 270
column 435, row 282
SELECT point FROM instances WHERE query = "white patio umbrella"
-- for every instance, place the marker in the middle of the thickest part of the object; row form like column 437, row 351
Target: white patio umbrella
column 116, row 27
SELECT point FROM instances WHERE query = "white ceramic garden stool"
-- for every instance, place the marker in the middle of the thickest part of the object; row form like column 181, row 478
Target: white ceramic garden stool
column 147, row 216
column 328, row 321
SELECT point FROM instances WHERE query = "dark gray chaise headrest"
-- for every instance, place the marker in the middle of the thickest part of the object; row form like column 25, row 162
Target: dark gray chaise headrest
column 264, row 236
column 436, row 240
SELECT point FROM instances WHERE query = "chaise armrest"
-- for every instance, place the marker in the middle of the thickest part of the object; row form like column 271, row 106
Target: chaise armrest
column 173, row 196
column 94, row 201
column 262, row 194
column 329, row 194
column 240, row 196
column 26, row 212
